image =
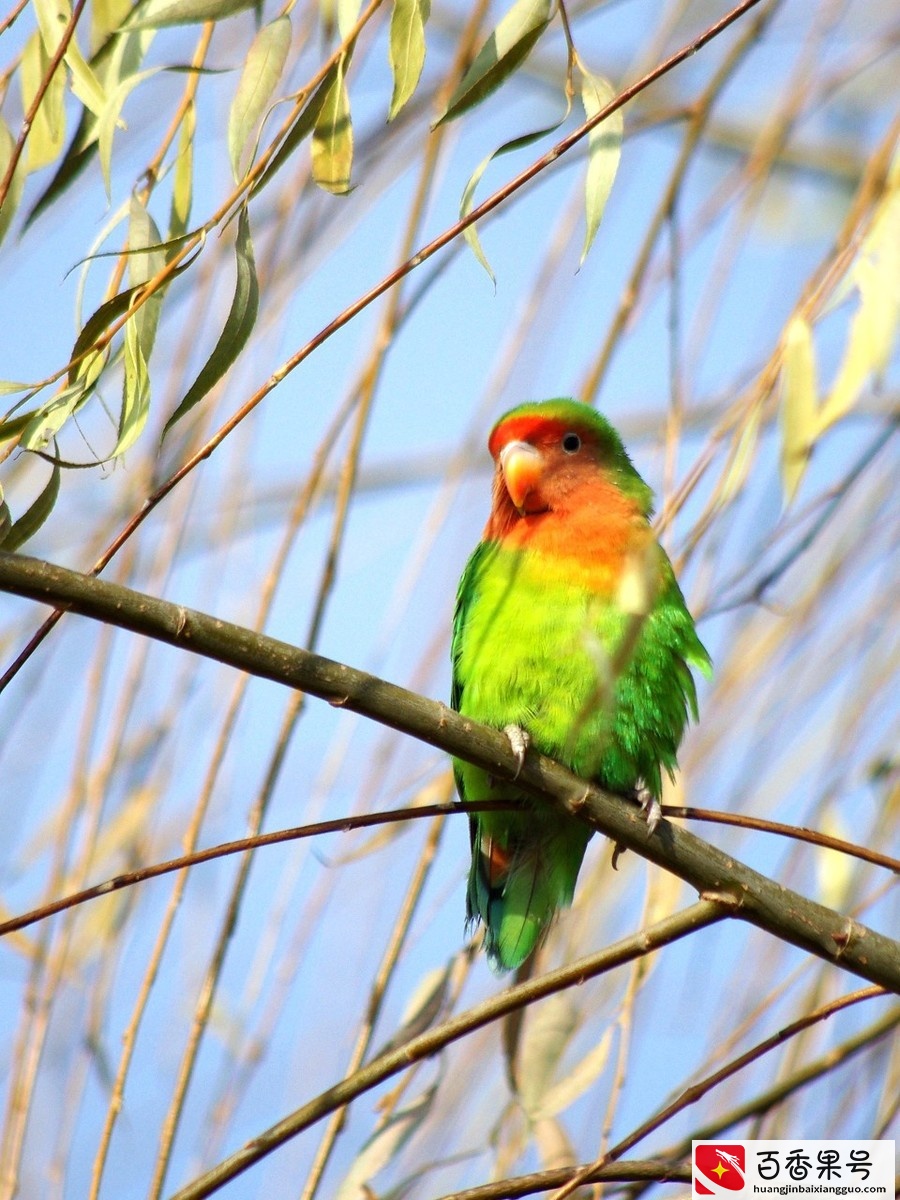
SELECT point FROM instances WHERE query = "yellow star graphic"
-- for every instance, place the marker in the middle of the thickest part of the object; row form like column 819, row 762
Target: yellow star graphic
column 720, row 1170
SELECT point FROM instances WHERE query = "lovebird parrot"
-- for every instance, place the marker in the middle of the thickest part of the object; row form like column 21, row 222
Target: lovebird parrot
column 571, row 633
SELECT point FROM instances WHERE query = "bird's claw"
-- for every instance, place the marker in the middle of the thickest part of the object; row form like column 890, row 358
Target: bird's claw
column 519, row 741
column 650, row 807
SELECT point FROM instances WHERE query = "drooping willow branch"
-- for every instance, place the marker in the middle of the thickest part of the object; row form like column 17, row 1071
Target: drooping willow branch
column 746, row 893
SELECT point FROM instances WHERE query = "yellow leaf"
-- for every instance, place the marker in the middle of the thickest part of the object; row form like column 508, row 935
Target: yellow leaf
column 332, row 140
column 738, row 466
column 799, row 417
column 834, row 869
column 873, row 329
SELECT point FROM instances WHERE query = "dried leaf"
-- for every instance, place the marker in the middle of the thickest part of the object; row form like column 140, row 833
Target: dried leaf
column 259, row 78
column 504, row 51
column 384, row 1145
column 548, row 1031
column 567, row 1090
column 799, row 418
column 604, row 152
column 423, row 1007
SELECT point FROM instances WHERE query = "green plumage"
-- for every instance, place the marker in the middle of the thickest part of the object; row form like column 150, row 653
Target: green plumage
column 604, row 691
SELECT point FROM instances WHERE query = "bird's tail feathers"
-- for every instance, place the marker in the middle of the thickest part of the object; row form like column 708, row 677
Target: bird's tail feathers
column 516, row 887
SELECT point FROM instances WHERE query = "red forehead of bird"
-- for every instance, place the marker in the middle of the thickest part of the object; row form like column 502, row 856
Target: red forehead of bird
column 542, row 432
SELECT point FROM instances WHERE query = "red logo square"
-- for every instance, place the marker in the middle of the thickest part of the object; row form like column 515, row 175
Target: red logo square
column 718, row 1167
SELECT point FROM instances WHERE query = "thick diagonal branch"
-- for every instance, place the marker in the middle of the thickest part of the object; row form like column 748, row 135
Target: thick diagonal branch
column 751, row 896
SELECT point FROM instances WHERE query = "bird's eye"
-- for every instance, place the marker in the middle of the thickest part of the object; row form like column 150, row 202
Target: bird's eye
column 571, row 443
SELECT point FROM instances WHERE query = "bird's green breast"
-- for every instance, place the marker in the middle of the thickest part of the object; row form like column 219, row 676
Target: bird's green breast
column 535, row 650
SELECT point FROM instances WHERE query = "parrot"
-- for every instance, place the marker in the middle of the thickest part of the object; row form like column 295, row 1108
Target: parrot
column 571, row 634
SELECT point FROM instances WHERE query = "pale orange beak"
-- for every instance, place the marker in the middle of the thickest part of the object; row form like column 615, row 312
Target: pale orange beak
column 521, row 465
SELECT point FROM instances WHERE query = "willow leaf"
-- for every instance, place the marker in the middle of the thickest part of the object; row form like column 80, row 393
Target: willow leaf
column 158, row 14
column 48, row 129
column 604, row 151
column 406, row 49
column 14, row 195
column 299, row 131
column 34, row 517
column 238, row 325
column 332, row 141
column 259, row 78
column 799, row 417
column 504, row 51
column 470, row 233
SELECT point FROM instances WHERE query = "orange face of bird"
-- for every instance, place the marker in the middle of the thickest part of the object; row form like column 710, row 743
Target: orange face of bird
column 538, row 462
column 522, row 468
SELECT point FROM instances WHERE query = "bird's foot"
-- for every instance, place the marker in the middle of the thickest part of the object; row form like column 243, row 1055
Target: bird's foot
column 519, row 740
column 650, row 807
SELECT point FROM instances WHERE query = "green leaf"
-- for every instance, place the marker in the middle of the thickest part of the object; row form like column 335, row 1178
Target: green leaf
column 299, row 131
column 259, row 77
column 332, row 141
column 14, row 195
column 53, row 16
column 406, row 49
column 110, row 118
column 48, row 130
column 97, row 323
column 47, row 421
column 6, row 521
column 504, row 51
column 146, row 258
column 799, row 418
column 604, row 151
column 470, row 233
column 12, row 427
column 136, row 392
column 238, row 326
column 107, row 16
column 118, row 58
column 35, row 516
column 183, row 175
column 157, row 14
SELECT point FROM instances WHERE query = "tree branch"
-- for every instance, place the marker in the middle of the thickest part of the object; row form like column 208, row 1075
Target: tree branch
column 746, row 893
column 398, row 1058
